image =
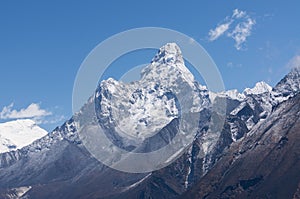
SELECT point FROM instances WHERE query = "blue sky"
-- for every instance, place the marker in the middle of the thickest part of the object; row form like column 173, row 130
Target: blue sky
column 43, row 43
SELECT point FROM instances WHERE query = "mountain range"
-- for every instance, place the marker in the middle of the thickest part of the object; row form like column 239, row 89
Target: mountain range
column 246, row 149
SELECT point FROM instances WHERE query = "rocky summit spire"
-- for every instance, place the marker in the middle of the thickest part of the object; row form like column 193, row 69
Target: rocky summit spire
column 290, row 84
column 169, row 53
column 168, row 64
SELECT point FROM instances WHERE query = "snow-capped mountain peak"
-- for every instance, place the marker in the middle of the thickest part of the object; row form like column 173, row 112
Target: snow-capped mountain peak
column 289, row 85
column 259, row 88
column 169, row 53
column 19, row 133
column 168, row 64
column 140, row 109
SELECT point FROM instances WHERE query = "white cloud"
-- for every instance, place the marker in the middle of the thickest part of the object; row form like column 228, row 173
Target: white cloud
column 241, row 32
column 233, row 65
column 238, row 26
column 218, row 31
column 32, row 111
column 294, row 62
column 238, row 13
column 52, row 120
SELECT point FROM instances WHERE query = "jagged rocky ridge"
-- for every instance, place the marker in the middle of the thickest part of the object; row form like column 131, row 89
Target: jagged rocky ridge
column 59, row 166
column 265, row 164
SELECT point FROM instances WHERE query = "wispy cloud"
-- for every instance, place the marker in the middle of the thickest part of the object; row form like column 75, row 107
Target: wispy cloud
column 238, row 14
column 32, row 111
column 218, row 31
column 294, row 62
column 233, row 65
column 241, row 32
column 238, row 26
column 52, row 120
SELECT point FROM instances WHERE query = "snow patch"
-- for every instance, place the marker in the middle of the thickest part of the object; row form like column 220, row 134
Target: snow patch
column 19, row 133
column 177, row 153
column 18, row 192
column 186, row 182
column 137, row 183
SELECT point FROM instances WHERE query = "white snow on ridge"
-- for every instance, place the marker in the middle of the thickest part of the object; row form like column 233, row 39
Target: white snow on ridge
column 259, row 88
column 138, row 182
column 19, row 133
column 18, row 192
column 233, row 94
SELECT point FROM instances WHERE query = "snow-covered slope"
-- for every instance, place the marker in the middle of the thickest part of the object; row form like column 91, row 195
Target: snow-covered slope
column 19, row 133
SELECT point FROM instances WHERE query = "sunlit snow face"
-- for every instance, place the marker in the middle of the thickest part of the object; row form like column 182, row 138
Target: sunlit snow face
column 138, row 112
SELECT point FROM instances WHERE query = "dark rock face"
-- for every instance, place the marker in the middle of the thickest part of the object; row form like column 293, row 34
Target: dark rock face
column 265, row 164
